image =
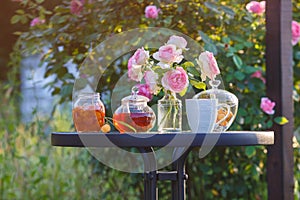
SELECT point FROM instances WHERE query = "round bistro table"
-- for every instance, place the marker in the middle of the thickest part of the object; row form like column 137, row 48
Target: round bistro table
column 183, row 143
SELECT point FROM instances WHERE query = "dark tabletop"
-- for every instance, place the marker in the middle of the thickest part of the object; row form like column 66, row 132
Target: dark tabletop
column 184, row 139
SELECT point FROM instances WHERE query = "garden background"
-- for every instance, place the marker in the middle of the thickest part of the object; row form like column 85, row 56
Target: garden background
column 61, row 33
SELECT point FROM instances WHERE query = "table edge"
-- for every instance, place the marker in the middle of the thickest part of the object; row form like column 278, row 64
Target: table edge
column 230, row 138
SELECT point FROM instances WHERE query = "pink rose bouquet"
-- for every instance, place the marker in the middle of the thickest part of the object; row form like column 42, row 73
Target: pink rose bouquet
column 167, row 69
column 208, row 65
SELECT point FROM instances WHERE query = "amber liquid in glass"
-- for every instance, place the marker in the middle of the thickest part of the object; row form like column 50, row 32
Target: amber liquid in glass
column 141, row 122
column 88, row 120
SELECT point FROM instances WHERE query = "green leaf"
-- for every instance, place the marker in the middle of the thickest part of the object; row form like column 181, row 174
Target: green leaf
column 20, row 12
column 228, row 10
column 229, row 54
column 237, row 61
column 238, row 47
column 188, row 65
column 239, row 75
column 269, row 124
column 159, row 70
column 168, row 20
column 250, row 69
column 250, row 151
column 198, row 84
column 17, row 33
column 248, row 44
column 226, row 40
column 237, row 38
column 281, row 120
column 66, row 90
column 205, row 37
column 211, row 47
column 43, row 160
column 15, row 19
column 297, row 55
column 182, row 93
column 212, row 6
column 242, row 112
column 193, row 71
column 39, row 1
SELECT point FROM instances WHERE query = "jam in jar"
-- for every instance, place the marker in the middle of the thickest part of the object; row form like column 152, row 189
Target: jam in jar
column 88, row 113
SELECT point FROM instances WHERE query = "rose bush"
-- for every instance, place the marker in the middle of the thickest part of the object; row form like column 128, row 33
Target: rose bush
column 151, row 12
column 267, row 105
column 295, row 32
column 233, row 31
column 256, row 7
column 37, row 21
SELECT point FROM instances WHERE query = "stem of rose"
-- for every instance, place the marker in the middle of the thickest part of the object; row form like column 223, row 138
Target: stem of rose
column 166, row 116
column 175, row 115
column 110, row 120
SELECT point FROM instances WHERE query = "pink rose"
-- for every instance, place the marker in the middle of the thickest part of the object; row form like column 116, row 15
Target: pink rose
column 258, row 74
column 151, row 80
column 37, row 21
column 295, row 32
column 140, row 57
column 209, row 66
column 144, row 90
column 134, row 71
column 267, row 105
column 179, row 42
column 151, row 12
column 135, row 64
column 167, row 55
column 76, row 6
column 175, row 80
column 256, row 7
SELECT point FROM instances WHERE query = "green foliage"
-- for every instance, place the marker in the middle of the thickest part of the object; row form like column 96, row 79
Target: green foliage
column 225, row 28
column 30, row 168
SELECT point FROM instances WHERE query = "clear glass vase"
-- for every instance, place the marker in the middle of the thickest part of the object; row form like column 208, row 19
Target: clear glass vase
column 169, row 113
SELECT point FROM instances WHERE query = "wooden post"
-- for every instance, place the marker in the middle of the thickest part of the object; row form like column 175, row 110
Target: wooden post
column 279, row 89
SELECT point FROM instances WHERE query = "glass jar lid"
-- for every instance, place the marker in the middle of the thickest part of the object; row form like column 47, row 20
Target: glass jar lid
column 214, row 93
column 134, row 97
column 89, row 94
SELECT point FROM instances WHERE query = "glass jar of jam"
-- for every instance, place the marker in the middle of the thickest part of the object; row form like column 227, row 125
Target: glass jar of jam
column 134, row 115
column 88, row 113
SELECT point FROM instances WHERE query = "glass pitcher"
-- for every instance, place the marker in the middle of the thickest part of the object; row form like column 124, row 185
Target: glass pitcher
column 224, row 97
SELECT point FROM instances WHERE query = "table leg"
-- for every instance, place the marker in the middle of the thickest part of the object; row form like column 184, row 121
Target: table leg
column 178, row 186
column 150, row 173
